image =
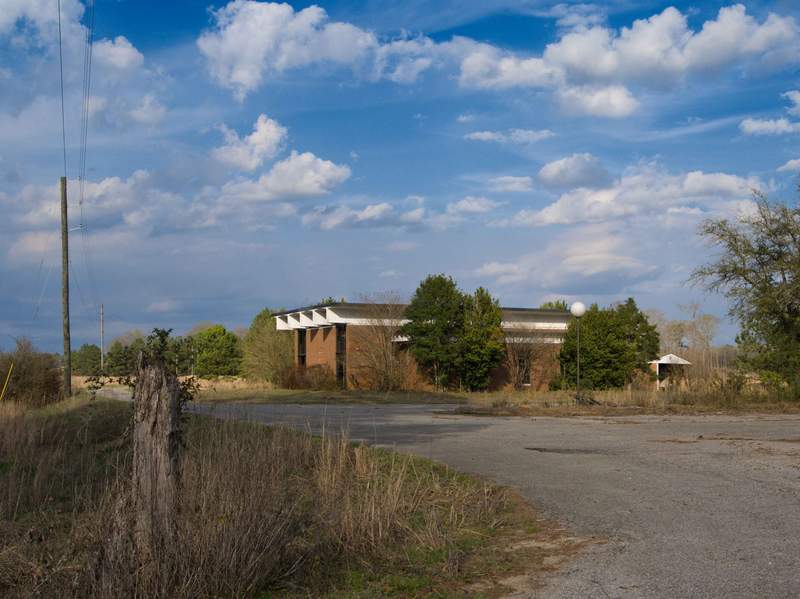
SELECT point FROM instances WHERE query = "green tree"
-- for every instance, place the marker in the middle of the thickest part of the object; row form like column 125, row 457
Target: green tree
column 638, row 332
column 217, row 352
column 436, row 322
column 267, row 353
column 559, row 304
column 482, row 340
column 86, row 360
column 122, row 356
column 758, row 270
column 616, row 343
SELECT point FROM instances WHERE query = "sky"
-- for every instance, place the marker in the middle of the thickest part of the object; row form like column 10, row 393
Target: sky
column 250, row 154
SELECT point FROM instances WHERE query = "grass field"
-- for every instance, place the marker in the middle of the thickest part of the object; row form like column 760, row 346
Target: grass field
column 264, row 512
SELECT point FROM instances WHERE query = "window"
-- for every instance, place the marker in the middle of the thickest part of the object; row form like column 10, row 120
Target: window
column 341, row 339
column 301, row 347
column 524, row 369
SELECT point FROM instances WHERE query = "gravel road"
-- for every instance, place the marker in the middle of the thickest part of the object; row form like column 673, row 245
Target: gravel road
column 690, row 506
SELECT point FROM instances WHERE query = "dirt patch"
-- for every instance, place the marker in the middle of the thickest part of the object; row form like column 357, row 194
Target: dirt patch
column 541, row 553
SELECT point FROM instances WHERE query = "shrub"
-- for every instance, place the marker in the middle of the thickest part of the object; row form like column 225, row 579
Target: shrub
column 36, row 377
column 312, row 377
column 267, row 353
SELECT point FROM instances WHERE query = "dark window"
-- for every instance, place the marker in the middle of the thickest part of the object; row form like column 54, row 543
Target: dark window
column 301, row 347
column 341, row 339
column 524, row 369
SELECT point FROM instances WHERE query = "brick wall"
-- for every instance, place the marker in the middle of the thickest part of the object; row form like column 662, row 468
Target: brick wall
column 321, row 347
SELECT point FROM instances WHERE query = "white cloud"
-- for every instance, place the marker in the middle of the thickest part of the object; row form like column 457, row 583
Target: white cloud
column 574, row 16
column 251, row 40
column 516, row 136
column 332, row 218
column 41, row 15
column 33, row 245
column 511, row 183
column 384, row 214
column 578, row 170
column 402, row 246
column 250, row 152
column 465, row 118
column 118, row 53
column 792, row 166
column 794, row 98
column 592, row 67
column 298, row 176
column 768, row 126
column 472, row 205
column 613, row 101
column 487, row 67
column 661, row 50
column 163, row 306
column 149, row 111
column 585, row 258
column 642, row 189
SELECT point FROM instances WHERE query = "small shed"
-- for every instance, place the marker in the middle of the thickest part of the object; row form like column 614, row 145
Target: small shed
column 669, row 370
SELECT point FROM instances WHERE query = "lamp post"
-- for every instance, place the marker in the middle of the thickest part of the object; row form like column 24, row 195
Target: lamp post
column 577, row 309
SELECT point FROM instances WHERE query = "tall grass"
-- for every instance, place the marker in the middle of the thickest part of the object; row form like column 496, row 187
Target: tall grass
column 261, row 509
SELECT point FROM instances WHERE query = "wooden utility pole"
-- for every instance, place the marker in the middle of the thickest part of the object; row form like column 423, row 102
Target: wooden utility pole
column 102, row 340
column 65, row 291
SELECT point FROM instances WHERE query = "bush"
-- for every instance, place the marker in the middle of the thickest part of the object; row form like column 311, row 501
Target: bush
column 313, row 377
column 36, row 378
column 267, row 354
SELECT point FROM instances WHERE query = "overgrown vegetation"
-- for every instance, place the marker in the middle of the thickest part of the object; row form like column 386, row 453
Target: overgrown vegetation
column 208, row 350
column 30, row 377
column 758, row 270
column 268, row 512
column 455, row 337
column 267, row 354
column 616, row 344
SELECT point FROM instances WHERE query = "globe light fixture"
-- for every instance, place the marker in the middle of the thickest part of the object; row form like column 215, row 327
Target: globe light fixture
column 578, row 309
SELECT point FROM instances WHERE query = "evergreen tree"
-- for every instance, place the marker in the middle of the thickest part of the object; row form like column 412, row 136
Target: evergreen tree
column 86, row 361
column 436, row 322
column 616, row 343
column 560, row 304
column 482, row 340
column 217, row 352
column 122, row 356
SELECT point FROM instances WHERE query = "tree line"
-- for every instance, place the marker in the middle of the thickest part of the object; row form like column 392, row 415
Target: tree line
column 456, row 340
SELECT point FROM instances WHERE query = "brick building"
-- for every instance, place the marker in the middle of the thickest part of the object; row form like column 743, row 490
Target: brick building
column 334, row 337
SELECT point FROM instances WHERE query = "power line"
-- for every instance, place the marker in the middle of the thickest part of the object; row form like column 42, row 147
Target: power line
column 85, row 115
column 61, row 69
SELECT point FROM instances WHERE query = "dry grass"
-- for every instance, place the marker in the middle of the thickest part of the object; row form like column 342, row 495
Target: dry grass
column 704, row 398
column 263, row 511
column 261, row 395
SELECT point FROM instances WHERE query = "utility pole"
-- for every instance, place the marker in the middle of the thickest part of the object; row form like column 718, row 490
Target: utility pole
column 102, row 340
column 65, row 291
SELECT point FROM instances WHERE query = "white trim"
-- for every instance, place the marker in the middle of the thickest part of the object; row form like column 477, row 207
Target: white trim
column 548, row 328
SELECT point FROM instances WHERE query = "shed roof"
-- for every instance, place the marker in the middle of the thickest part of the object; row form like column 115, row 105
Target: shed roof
column 671, row 359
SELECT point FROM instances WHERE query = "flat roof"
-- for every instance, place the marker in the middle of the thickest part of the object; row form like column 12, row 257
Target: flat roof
column 367, row 304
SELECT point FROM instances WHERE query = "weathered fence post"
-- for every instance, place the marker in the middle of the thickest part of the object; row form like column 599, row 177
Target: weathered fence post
column 156, row 467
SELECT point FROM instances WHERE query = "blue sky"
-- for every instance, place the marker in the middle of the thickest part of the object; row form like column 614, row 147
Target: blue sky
column 249, row 154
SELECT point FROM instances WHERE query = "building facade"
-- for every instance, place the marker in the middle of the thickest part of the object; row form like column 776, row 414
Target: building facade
column 338, row 337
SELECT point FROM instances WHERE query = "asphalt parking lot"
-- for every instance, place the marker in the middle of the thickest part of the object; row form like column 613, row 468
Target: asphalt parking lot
column 681, row 506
